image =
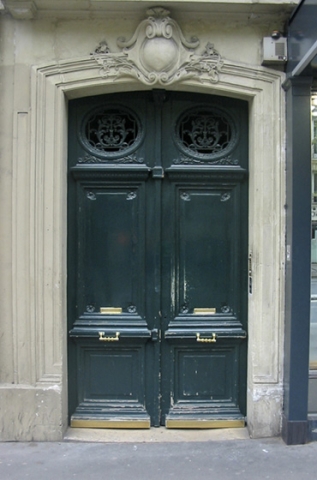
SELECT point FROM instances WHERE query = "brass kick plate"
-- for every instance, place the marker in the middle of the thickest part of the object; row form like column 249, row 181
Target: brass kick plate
column 110, row 310
column 204, row 423
column 77, row 423
column 204, row 311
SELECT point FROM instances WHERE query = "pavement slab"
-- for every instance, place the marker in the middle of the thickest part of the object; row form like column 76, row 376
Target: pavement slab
column 186, row 460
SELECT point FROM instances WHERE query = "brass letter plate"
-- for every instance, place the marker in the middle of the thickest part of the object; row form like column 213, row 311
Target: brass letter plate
column 204, row 311
column 110, row 310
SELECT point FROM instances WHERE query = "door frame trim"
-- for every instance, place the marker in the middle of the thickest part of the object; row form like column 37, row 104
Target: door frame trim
column 46, row 225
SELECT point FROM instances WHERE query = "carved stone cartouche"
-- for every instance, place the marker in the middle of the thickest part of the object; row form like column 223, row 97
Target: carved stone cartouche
column 158, row 53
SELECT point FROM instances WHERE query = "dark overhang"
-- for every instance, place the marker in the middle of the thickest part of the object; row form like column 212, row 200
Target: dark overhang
column 302, row 40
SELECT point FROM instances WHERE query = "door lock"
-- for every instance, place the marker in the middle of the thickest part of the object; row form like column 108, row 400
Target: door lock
column 155, row 335
column 158, row 172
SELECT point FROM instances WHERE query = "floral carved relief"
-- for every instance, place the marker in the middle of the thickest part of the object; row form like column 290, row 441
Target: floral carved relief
column 158, row 53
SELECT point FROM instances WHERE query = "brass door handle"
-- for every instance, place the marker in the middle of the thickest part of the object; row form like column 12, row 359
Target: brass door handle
column 102, row 337
column 213, row 339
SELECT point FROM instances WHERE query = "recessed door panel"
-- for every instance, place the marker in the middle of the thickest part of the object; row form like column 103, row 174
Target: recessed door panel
column 206, row 248
column 204, row 374
column 111, row 251
column 157, row 261
column 117, row 381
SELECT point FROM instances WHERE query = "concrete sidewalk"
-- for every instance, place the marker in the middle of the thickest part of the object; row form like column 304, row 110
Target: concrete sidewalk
column 211, row 459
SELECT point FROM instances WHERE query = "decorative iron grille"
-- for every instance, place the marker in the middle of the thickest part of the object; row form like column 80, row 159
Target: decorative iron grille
column 111, row 131
column 206, row 133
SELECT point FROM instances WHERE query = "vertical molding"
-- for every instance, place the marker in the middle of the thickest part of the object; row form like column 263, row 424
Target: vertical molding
column 49, row 215
column 38, row 132
column 48, row 227
column 22, row 323
column 266, row 226
column 267, row 234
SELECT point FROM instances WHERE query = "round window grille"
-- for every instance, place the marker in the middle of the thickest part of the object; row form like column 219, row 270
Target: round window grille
column 206, row 133
column 111, row 131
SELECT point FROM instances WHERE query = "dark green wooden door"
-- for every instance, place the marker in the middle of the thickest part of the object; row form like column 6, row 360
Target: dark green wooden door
column 157, row 260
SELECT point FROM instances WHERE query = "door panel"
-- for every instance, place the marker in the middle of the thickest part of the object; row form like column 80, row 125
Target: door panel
column 157, row 250
column 113, row 233
column 111, row 384
column 200, row 359
column 206, row 374
column 204, row 383
column 205, row 252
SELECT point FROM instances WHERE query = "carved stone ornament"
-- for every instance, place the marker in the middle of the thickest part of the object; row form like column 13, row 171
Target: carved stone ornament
column 159, row 53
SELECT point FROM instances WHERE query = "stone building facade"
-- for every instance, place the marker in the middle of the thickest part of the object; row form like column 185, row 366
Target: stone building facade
column 54, row 52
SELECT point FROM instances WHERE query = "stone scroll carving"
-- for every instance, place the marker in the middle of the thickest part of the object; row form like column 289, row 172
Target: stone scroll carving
column 158, row 53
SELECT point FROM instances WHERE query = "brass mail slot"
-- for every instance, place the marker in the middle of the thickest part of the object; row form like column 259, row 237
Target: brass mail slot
column 204, row 311
column 110, row 310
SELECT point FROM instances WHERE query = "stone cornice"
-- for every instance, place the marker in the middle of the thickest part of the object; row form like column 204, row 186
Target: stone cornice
column 21, row 10
column 246, row 10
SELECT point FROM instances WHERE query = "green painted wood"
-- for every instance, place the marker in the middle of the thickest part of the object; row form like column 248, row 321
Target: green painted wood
column 158, row 230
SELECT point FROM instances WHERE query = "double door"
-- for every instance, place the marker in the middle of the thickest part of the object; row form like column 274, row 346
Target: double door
column 157, row 260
